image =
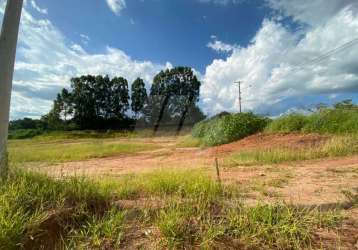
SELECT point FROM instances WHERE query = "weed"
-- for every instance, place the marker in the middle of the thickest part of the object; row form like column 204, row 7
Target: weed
column 163, row 183
column 197, row 213
column 27, row 199
column 335, row 147
column 99, row 231
column 352, row 196
column 331, row 121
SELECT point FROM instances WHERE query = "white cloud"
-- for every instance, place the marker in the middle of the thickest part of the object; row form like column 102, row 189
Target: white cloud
column 221, row 2
column 37, row 8
column 46, row 61
column 220, row 46
column 269, row 64
column 311, row 12
column 116, row 5
column 85, row 39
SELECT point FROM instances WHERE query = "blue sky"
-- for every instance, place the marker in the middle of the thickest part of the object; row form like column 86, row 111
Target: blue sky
column 162, row 31
column 268, row 44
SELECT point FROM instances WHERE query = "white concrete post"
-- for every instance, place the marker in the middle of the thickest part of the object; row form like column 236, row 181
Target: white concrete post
column 8, row 42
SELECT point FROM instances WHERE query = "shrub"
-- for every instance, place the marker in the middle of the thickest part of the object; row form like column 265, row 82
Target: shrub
column 289, row 123
column 228, row 128
column 24, row 133
column 332, row 121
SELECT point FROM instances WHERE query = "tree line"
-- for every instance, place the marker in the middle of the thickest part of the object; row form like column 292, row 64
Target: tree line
column 99, row 102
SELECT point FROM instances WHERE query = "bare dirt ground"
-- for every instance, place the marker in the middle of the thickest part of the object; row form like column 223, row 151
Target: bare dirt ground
column 315, row 182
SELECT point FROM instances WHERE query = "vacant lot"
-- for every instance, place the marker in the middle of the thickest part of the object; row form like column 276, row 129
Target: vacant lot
column 308, row 172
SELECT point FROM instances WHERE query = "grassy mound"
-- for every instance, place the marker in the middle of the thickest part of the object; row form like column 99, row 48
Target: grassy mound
column 331, row 121
column 228, row 128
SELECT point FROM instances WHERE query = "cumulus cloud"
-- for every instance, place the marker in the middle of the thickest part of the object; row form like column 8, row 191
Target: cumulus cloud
column 116, row 5
column 46, row 61
column 278, row 64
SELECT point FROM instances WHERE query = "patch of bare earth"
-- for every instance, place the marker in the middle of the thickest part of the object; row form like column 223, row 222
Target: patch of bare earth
column 345, row 237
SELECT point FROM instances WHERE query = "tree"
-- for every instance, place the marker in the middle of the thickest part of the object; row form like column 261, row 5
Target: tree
column 84, row 100
column 345, row 104
column 119, row 101
column 139, row 96
column 172, row 94
column 66, row 104
column 94, row 102
column 8, row 42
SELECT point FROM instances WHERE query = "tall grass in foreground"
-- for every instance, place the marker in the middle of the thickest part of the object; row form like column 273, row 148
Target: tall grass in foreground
column 195, row 212
column 335, row 147
column 35, row 209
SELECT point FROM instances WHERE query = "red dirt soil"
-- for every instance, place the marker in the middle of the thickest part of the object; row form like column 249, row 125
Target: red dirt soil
column 310, row 182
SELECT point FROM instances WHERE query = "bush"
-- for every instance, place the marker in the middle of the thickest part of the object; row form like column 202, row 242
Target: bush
column 24, row 133
column 331, row 121
column 228, row 128
column 289, row 123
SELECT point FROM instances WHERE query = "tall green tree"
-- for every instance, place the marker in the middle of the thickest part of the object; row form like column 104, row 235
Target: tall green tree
column 64, row 100
column 120, row 97
column 173, row 93
column 84, row 100
column 139, row 96
column 93, row 101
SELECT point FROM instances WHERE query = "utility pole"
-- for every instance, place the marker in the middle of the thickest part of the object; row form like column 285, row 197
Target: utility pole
column 8, row 42
column 240, row 99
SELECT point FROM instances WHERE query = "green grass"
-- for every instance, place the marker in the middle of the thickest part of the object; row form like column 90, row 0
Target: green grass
column 197, row 212
column 215, row 226
column 99, row 231
column 165, row 183
column 188, row 142
column 335, row 147
column 70, row 150
column 92, row 134
column 27, row 201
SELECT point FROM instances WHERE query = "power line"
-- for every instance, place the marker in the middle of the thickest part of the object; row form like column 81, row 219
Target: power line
column 310, row 62
column 329, row 53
